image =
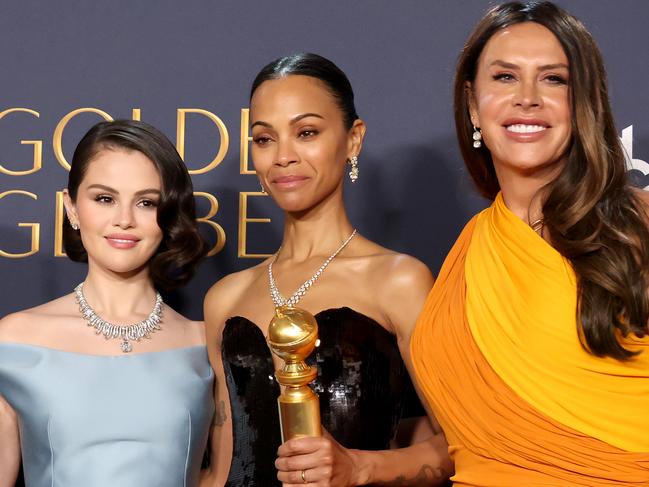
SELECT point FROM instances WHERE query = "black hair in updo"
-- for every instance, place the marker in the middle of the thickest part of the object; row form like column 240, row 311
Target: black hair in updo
column 318, row 67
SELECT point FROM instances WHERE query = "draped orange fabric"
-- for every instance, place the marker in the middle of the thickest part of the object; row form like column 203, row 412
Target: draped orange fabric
column 496, row 436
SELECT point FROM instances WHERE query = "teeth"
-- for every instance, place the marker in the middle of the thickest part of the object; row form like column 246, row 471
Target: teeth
column 519, row 128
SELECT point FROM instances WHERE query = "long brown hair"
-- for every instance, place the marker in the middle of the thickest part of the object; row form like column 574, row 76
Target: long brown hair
column 592, row 215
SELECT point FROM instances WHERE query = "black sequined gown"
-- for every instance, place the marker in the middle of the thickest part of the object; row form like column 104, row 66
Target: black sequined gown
column 363, row 385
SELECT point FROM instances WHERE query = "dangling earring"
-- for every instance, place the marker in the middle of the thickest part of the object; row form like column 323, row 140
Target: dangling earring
column 263, row 190
column 477, row 137
column 73, row 224
column 353, row 174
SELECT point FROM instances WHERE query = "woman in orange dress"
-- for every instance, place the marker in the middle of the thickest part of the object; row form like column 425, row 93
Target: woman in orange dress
column 532, row 347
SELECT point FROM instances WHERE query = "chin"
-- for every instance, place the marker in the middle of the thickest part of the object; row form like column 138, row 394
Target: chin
column 125, row 267
column 528, row 164
column 294, row 205
column 127, row 271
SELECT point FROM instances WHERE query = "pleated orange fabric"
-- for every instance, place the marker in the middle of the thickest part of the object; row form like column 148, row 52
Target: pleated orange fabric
column 496, row 437
column 521, row 307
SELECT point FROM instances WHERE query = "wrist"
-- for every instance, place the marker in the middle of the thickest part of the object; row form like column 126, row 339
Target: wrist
column 363, row 465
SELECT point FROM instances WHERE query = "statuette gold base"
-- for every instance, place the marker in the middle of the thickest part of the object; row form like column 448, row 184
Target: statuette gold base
column 292, row 336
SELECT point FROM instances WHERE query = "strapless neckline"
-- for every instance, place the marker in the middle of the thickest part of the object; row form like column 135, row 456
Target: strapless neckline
column 187, row 349
column 362, row 384
column 320, row 314
column 87, row 419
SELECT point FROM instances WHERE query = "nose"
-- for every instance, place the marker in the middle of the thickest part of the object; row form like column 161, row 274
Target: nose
column 527, row 94
column 285, row 154
column 123, row 217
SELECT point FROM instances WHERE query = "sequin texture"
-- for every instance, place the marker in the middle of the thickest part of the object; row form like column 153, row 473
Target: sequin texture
column 362, row 383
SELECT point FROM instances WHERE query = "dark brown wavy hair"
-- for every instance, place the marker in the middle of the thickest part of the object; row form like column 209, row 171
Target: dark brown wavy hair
column 182, row 246
column 593, row 217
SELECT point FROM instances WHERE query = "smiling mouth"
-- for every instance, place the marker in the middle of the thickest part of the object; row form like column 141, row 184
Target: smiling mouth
column 288, row 179
column 122, row 240
column 520, row 128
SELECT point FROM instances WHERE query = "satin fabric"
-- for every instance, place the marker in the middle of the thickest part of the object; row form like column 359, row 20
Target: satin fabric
column 132, row 420
column 496, row 437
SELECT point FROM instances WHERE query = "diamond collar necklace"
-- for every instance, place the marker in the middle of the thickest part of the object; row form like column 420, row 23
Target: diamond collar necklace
column 280, row 300
column 125, row 333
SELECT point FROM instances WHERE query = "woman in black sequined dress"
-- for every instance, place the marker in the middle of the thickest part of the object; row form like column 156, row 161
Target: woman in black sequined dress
column 305, row 132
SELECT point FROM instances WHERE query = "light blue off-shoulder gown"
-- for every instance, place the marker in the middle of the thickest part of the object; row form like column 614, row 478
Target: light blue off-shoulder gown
column 133, row 420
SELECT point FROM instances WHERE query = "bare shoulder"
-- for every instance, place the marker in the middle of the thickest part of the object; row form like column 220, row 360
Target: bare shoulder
column 12, row 327
column 171, row 314
column 192, row 331
column 406, row 281
column 22, row 325
column 233, row 284
column 402, row 284
column 393, row 274
column 401, row 273
column 222, row 296
column 406, row 270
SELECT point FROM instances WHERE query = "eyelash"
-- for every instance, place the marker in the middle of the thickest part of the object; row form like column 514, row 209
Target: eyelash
column 556, row 79
column 106, row 200
column 553, row 78
column 149, row 203
column 503, row 77
column 308, row 133
column 261, row 140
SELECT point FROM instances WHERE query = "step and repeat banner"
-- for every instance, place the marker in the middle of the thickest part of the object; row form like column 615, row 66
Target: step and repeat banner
column 186, row 67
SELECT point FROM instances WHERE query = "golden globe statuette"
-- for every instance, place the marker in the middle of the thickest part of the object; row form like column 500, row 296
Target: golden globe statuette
column 292, row 336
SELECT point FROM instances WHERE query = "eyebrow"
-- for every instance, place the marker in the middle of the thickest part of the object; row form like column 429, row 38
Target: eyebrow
column 294, row 120
column 545, row 67
column 113, row 190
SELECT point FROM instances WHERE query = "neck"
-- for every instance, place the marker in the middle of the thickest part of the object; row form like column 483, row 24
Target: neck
column 316, row 232
column 523, row 192
column 119, row 297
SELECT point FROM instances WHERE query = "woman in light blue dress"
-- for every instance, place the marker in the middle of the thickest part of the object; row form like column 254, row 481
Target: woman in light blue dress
column 108, row 386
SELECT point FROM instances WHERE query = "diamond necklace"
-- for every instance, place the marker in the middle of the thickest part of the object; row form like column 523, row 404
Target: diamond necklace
column 125, row 333
column 277, row 297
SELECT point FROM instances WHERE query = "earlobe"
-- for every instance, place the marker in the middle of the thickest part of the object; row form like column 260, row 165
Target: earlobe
column 356, row 136
column 70, row 208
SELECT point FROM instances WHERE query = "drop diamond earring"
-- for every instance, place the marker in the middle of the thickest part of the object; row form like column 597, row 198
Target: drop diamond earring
column 477, row 137
column 353, row 174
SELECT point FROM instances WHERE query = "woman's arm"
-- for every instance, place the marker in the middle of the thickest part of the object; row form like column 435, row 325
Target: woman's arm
column 326, row 463
column 404, row 297
column 10, row 441
column 11, row 330
column 425, row 462
column 221, row 430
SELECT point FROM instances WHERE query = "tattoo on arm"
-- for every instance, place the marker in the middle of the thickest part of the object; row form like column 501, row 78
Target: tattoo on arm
column 219, row 414
column 423, row 477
